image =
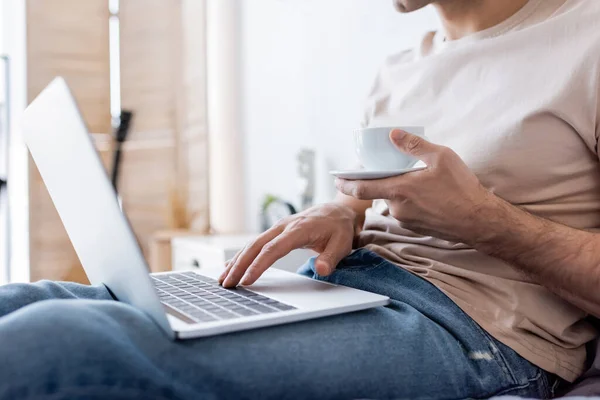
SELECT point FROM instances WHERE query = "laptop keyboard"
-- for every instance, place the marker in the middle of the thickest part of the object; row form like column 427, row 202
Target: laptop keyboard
column 202, row 299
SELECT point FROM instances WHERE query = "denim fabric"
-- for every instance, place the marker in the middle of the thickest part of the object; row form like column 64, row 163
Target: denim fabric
column 64, row 341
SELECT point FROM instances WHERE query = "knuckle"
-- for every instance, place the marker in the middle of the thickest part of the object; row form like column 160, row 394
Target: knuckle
column 359, row 191
column 252, row 271
column 282, row 222
column 326, row 256
column 414, row 143
column 445, row 154
column 269, row 248
column 296, row 224
column 409, row 190
column 251, row 245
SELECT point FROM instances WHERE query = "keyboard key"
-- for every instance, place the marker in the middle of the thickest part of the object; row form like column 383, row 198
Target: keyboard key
column 271, row 301
column 246, row 313
column 225, row 315
column 203, row 298
column 199, row 313
column 199, row 303
column 261, row 309
column 246, row 302
column 283, row 307
column 205, row 279
column 211, row 308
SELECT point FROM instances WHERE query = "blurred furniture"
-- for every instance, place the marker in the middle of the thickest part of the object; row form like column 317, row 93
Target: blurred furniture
column 196, row 252
column 5, row 228
column 160, row 248
column 162, row 71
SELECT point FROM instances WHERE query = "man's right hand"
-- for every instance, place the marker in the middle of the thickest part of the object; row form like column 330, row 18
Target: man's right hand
column 327, row 229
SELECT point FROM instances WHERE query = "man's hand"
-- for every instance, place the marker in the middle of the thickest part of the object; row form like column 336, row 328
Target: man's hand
column 327, row 229
column 447, row 201
column 441, row 200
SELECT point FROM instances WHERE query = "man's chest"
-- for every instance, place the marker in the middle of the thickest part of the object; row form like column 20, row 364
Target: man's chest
column 525, row 125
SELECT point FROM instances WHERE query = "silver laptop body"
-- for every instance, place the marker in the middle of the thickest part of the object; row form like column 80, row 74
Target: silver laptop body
column 184, row 304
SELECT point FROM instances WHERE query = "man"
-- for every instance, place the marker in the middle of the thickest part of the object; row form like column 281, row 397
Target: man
column 491, row 254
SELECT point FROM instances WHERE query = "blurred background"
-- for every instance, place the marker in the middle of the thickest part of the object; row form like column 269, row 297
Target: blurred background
column 227, row 114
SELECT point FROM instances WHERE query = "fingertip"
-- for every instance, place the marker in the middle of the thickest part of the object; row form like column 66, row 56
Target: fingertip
column 397, row 134
column 322, row 268
column 246, row 280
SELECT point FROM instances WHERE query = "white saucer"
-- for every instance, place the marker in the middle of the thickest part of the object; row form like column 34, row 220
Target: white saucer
column 361, row 174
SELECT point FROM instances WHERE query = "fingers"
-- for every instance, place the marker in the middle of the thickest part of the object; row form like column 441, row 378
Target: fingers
column 371, row 189
column 270, row 253
column 237, row 269
column 229, row 264
column 336, row 249
column 415, row 145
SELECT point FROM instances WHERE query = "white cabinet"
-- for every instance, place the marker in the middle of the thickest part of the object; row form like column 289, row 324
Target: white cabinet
column 196, row 252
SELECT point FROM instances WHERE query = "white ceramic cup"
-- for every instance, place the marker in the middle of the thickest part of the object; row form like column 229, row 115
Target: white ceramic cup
column 376, row 151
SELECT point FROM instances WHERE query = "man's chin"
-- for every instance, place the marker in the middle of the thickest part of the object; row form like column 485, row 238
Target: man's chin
column 406, row 6
column 399, row 7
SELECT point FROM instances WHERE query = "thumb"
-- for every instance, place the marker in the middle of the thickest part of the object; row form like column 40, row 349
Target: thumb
column 330, row 257
column 414, row 145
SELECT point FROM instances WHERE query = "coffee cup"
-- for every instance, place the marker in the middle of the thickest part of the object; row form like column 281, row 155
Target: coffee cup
column 376, row 152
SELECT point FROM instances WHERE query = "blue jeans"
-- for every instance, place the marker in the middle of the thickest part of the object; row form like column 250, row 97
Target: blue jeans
column 64, row 340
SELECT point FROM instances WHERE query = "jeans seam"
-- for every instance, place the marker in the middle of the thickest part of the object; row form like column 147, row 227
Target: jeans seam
column 369, row 267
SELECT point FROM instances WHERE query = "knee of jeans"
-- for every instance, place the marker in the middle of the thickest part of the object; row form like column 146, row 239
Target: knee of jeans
column 47, row 320
column 57, row 344
column 63, row 330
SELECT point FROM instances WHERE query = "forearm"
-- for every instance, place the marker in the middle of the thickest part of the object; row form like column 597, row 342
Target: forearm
column 565, row 260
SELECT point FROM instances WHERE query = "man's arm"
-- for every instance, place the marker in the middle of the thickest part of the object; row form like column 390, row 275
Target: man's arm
column 565, row 260
column 446, row 200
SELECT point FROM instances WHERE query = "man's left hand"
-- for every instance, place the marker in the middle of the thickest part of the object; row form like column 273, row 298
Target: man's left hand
column 445, row 200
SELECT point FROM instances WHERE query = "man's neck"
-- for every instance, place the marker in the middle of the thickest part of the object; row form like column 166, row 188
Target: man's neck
column 464, row 17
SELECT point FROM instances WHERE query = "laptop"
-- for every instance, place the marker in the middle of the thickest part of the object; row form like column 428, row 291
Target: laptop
column 186, row 304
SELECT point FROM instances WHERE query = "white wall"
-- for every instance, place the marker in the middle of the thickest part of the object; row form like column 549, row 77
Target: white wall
column 306, row 68
column 12, row 39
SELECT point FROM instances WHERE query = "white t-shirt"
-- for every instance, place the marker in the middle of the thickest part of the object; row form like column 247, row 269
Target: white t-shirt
column 520, row 103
